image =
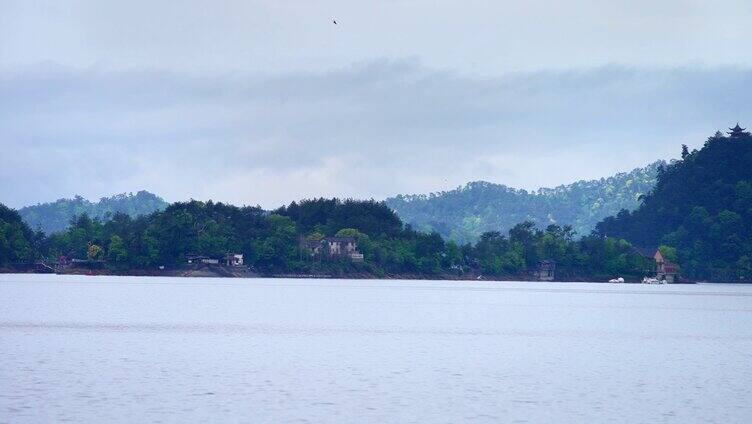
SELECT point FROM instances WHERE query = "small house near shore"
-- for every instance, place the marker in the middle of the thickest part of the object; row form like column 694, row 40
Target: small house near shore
column 336, row 247
column 201, row 260
column 231, row 259
column 545, row 271
column 664, row 270
column 234, row 259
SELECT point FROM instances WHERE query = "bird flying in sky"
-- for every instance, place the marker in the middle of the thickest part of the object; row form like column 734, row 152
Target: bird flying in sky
column 335, row 21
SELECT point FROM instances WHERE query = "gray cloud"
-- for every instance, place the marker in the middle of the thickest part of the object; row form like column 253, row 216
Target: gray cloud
column 257, row 101
column 478, row 37
column 368, row 130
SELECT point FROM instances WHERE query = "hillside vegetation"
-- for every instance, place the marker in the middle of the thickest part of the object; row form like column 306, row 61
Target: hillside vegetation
column 701, row 207
column 465, row 213
column 277, row 243
column 17, row 241
column 56, row 216
column 699, row 213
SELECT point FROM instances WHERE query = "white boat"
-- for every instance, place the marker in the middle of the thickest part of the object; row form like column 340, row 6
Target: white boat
column 616, row 280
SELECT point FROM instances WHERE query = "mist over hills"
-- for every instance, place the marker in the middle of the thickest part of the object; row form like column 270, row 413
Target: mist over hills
column 464, row 213
column 55, row 216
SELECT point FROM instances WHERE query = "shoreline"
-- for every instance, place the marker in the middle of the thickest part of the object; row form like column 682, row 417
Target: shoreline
column 213, row 273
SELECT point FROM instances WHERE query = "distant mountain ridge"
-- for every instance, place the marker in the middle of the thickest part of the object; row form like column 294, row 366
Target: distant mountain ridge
column 55, row 216
column 463, row 214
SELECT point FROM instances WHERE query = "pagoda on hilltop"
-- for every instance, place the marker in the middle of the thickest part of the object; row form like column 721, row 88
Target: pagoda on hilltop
column 737, row 132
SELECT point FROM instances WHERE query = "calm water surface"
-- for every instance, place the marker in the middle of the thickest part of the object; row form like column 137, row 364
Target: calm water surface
column 130, row 349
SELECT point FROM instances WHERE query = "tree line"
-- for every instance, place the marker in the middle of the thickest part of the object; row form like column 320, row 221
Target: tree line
column 274, row 242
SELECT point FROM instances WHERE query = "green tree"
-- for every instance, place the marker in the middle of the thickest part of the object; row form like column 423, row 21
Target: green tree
column 668, row 253
column 348, row 232
column 279, row 246
column 16, row 239
column 116, row 251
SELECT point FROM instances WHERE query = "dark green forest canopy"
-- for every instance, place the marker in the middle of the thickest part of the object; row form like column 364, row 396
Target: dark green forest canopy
column 330, row 215
column 17, row 242
column 55, row 216
column 702, row 207
column 465, row 213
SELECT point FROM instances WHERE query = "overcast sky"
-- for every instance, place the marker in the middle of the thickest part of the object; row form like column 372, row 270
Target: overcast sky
column 264, row 102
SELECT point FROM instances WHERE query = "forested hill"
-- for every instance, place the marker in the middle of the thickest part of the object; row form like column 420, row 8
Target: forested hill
column 285, row 242
column 56, row 216
column 465, row 213
column 702, row 207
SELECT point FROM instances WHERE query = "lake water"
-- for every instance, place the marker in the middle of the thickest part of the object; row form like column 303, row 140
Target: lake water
column 131, row 349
